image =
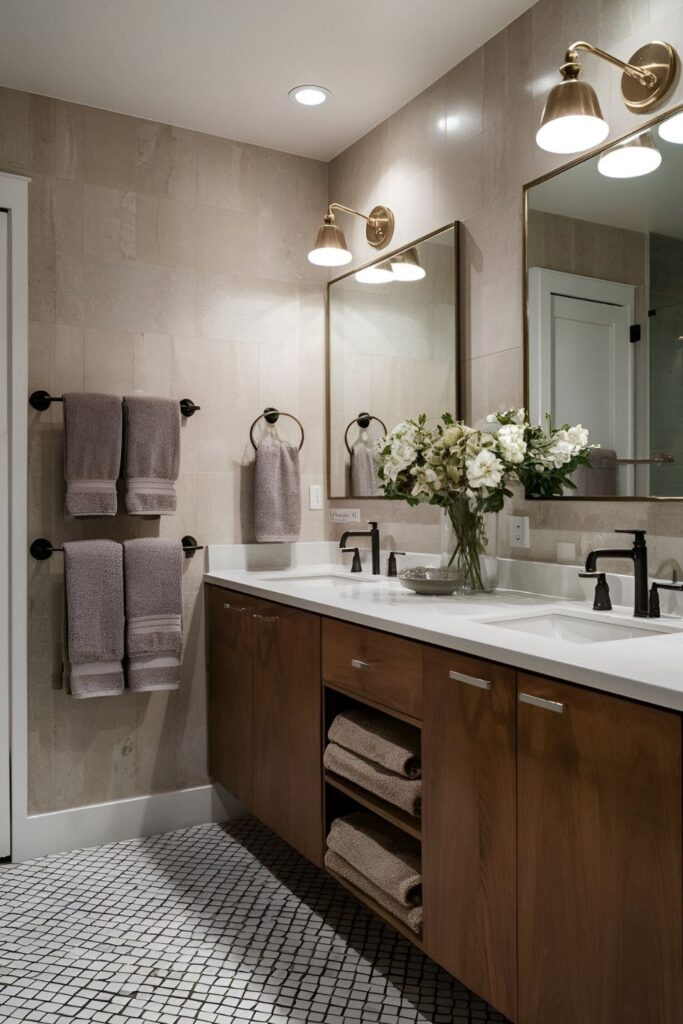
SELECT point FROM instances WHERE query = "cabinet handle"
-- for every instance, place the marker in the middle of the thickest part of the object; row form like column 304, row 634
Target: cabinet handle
column 362, row 666
column 236, row 608
column 265, row 618
column 541, row 702
column 460, row 677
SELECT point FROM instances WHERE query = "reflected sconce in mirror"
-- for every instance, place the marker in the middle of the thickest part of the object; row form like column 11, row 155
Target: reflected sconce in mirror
column 671, row 130
column 330, row 248
column 572, row 120
column 406, row 266
column 378, row 273
column 632, row 158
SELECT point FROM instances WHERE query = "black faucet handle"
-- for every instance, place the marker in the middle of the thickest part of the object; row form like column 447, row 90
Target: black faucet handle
column 602, row 601
column 654, row 610
column 372, row 524
column 392, row 568
column 356, row 564
column 638, row 534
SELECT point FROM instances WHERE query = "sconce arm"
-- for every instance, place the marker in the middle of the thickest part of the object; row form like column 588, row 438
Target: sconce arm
column 572, row 59
column 345, row 209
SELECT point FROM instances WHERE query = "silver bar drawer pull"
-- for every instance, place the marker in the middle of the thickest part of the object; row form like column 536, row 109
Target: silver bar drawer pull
column 541, row 702
column 362, row 666
column 235, row 608
column 266, row 618
column 460, row 677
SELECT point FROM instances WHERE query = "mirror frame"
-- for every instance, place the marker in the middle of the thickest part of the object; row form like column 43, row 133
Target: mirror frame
column 458, row 325
column 581, row 158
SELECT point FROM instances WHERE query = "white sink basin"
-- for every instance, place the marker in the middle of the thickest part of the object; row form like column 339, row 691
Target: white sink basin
column 322, row 579
column 582, row 629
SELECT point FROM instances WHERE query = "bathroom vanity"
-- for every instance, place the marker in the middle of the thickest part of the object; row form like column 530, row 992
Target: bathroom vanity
column 552, row 856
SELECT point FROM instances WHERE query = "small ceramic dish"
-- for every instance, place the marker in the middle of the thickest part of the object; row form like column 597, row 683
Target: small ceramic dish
column 428, row 579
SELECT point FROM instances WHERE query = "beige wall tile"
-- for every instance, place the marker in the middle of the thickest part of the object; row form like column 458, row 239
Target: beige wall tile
column 14, row 135
column 42, row 134
column 109, row 149
column 69, row 140
column 165, row 232
column 165, row 161
column 109, row 223
column 226, row 175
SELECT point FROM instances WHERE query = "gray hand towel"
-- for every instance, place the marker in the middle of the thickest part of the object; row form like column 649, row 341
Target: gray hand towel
column 365, row 481
column 92, row 453
column 154, row 606
column 403, row 793
column 277, row 491
column 152, row 454
column 388, row 742
column 600, row 479
column 411, row 917
column 93, row 581
column 386, row 856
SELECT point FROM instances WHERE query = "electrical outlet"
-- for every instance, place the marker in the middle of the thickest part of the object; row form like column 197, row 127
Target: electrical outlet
column 315, row 497
column 519, row 531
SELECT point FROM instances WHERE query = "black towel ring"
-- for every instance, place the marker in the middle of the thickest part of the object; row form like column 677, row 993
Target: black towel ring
column 271, row 415
column 362, row 420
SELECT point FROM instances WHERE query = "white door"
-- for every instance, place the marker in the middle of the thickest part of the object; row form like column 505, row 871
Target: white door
column 4, row 543
column 581, row 365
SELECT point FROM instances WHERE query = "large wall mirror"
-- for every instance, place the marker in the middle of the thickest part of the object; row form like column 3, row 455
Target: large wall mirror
column 604, row 249
column 392, row 353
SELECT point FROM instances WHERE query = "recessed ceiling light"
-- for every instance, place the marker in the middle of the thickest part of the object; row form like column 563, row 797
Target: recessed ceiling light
column 309, row 95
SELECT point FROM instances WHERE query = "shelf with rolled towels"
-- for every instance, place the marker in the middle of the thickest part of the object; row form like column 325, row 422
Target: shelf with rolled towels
column 42, row 400
column 42, row 548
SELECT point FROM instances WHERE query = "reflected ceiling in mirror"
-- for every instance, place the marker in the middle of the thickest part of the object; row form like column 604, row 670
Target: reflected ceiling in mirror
column 391, row 354
column 604, row 257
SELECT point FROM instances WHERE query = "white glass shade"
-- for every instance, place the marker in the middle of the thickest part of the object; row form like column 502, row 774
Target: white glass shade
column 381, row 273
column 631, row 159
column 671, row 130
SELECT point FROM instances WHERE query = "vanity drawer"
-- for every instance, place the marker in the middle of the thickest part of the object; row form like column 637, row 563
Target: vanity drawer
column 381, row 667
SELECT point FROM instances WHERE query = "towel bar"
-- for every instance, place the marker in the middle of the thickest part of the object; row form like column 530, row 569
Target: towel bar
column 42, row 400
column 42, row 548
column 271, row 415
column 363, row 420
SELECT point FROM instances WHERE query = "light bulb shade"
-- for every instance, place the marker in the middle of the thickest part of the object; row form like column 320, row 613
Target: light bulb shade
column 671, row 130
column 572, row 120
column 631, row 159
column 379, row 273
column 406, row 265
column 330, row 248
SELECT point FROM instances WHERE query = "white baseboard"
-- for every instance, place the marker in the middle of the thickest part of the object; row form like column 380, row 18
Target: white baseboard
column 97, row 824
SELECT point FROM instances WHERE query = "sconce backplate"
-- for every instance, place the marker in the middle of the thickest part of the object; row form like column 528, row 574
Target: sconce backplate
column 380, row 227
column 661, row 60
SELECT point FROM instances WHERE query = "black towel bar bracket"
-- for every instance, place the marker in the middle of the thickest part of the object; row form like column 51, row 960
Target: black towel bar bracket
column 42, row 400
column 271, row 416
column 42, row 549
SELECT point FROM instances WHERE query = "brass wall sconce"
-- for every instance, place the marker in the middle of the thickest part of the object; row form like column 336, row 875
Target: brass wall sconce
column 572, row 119
column 330, row 248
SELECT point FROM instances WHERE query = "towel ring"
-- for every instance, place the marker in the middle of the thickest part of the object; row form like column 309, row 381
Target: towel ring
column 271, row 415
column 362, row 420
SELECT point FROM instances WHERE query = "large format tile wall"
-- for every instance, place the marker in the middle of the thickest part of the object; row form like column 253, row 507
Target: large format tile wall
column 167, row 262
column 463, row 150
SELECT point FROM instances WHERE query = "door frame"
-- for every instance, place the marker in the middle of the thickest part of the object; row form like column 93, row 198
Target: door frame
column 13, row 600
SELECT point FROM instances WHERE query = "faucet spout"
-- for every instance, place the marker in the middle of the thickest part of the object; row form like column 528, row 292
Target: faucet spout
column 638, row 555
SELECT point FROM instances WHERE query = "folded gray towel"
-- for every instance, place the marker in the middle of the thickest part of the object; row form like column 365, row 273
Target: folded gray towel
column 93, row 582
column 92, row 453
column 411, row 917
column 386, row 856
column 600, row 479
column 402, row 792
column 154, row 606
column 277, row 491
column 388, row 742
column 365, row 481
column 152, row 454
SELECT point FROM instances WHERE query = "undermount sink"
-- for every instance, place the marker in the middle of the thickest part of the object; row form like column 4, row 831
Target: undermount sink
column 322, row 579
column 581, row 629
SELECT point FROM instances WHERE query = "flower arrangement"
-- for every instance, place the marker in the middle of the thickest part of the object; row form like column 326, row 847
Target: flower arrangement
column 468, row 472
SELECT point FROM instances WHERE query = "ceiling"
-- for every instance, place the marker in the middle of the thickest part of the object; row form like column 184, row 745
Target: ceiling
column 226, row 66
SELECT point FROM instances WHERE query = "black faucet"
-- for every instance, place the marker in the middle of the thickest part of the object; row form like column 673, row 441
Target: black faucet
column 655, row 611
column 638, row 555
column 373, row 534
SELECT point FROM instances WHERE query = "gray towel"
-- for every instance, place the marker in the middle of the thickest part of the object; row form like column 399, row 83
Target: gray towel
column 92, row 453
column 152, row 455
column 93, row 582
column 600, row 479
column 365, row 481
column 403, row 793
column 154, row 606
column 277, row 491
column 386, row 856
column 411, row 917
column 392, row 744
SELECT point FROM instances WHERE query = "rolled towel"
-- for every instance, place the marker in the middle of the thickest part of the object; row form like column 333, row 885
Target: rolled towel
column 412, row 917
column 154, row 606
column 92, row 453
column 152, row 455
column 386, row 856
column 277, row 491
column 94, row 633
column 365, row 481
column 403, row 793
column 388, row 742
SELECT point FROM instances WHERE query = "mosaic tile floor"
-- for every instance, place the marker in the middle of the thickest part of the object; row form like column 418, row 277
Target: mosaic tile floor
column 211, row 924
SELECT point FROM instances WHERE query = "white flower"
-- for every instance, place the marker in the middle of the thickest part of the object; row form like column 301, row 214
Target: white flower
column 485, row 470
column 520, row 416
column 511, row 442
column 578, row 436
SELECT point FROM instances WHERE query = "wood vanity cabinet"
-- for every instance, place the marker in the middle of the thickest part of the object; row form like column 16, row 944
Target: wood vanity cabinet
column 469, row 823
column 599, row 858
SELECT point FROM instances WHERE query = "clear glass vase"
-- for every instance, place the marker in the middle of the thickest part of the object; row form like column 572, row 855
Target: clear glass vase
column 469, row 544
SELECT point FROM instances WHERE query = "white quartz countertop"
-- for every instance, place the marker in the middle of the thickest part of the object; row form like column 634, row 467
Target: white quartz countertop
column 648, row 668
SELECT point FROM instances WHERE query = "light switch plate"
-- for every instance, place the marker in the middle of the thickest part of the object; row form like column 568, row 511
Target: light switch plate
column 344, row 515
column 315, row 497
column 519, row 531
